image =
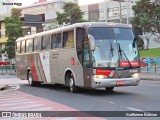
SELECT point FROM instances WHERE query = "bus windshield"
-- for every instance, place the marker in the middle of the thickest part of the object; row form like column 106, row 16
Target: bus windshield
column 115, row 47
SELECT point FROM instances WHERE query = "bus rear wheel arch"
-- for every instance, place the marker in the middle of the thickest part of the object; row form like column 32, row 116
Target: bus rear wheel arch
column 31, row 80
column 70, row 82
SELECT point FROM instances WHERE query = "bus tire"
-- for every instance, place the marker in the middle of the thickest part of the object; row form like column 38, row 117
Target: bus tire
column 31, row 81
column 72, row 87
column 109, row 89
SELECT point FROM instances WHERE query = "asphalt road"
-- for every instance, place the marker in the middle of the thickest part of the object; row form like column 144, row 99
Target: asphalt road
column 144, row 97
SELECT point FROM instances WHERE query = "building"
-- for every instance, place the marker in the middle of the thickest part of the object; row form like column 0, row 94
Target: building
column 47, row 14
column 42, row 15
column 109, row 11
column 5, row 10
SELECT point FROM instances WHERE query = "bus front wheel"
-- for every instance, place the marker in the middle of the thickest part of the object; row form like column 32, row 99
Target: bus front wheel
column 72, row 86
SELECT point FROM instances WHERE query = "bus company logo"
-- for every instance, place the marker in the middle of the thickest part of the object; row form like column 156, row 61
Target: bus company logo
column 45, row 56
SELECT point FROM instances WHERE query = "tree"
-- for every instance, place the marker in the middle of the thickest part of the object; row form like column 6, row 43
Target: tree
column 72, row 14
column 147, row 18
column 14, row 30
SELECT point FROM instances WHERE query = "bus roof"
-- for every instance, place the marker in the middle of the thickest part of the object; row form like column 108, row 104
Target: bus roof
column 83, row 24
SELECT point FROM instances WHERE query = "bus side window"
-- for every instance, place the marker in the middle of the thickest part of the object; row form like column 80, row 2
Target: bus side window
column 37, row 43
column 53, row 40
column 18, row 47
column 86, row 60
column 58, row 41
column 68, row 39
column 80, row 37
column 29, row 45
column 23, row 46
column 46, row 42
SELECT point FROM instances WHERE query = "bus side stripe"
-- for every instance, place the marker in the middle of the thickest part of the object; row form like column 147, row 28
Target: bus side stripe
column 42, row 67
column 34, row 71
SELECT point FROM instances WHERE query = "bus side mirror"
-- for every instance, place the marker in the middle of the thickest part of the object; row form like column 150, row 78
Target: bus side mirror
column 91, row 42
column 143, row 42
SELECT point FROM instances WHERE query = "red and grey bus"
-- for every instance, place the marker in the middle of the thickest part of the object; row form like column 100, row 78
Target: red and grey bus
column 81, row 55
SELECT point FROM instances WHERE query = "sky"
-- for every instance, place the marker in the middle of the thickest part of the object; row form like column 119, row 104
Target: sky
column 81, row 2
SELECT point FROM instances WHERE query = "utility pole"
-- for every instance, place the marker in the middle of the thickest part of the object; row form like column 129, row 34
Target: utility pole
column 128, row 9
column 120, row 12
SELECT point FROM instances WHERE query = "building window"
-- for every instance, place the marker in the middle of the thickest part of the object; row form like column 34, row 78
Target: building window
column 94, row 15
column 101, row 13
column 115, row 12
column 85, row 16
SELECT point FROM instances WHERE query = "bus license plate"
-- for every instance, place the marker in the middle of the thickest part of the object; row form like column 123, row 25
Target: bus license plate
column 120, row 83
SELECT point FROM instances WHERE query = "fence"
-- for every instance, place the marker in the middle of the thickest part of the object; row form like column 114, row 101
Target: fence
column 7, row 69
column 150, row 65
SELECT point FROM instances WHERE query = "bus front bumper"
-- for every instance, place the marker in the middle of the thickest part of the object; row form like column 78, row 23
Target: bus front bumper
column 114, row 82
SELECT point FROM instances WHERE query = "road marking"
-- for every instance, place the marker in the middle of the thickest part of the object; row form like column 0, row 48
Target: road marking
column 14, row 86
column 27, row 102
column 18, row 103
column 12, row 98
column 15, row 101
column 31, row 106
column 106, row 101
column 134, row 109
column 41, row 109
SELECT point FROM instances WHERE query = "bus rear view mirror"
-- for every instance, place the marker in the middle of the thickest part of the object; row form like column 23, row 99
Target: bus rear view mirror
column 91, row 43
column 143, row 42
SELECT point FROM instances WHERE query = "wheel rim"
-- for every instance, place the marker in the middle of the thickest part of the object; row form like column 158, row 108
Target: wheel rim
column 30, row 78
column 71, row 84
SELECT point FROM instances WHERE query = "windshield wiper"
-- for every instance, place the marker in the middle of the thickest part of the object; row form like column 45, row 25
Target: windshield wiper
column 122, row 52
column 112, row 49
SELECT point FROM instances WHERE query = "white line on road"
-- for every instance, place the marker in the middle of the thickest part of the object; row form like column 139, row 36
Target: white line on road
column 15, row 101
column 28, row 102
column 106, row 101
column 14, row 86
column 31, row 106
column 134, row 109
column 3, row 99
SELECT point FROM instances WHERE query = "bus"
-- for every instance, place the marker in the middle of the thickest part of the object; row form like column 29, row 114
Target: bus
column 81, row 55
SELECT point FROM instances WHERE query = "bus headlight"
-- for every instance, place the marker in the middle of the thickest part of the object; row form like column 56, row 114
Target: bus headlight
column 136, row 75
column 100, row 76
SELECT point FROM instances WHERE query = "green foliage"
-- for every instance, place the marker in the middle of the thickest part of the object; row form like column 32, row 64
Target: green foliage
column 72, row 14
column 147, row 14
column 14, row 30
column 152, row 53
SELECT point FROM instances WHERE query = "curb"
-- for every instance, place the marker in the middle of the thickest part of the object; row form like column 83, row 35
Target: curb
column 3, row 87
column 156, row 79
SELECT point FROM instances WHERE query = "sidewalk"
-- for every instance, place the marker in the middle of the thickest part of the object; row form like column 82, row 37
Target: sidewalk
column 149, row 76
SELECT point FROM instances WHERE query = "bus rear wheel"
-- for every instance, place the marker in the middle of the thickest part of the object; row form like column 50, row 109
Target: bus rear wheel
column 31, row 81
column 72, row 87
column 109, row 89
